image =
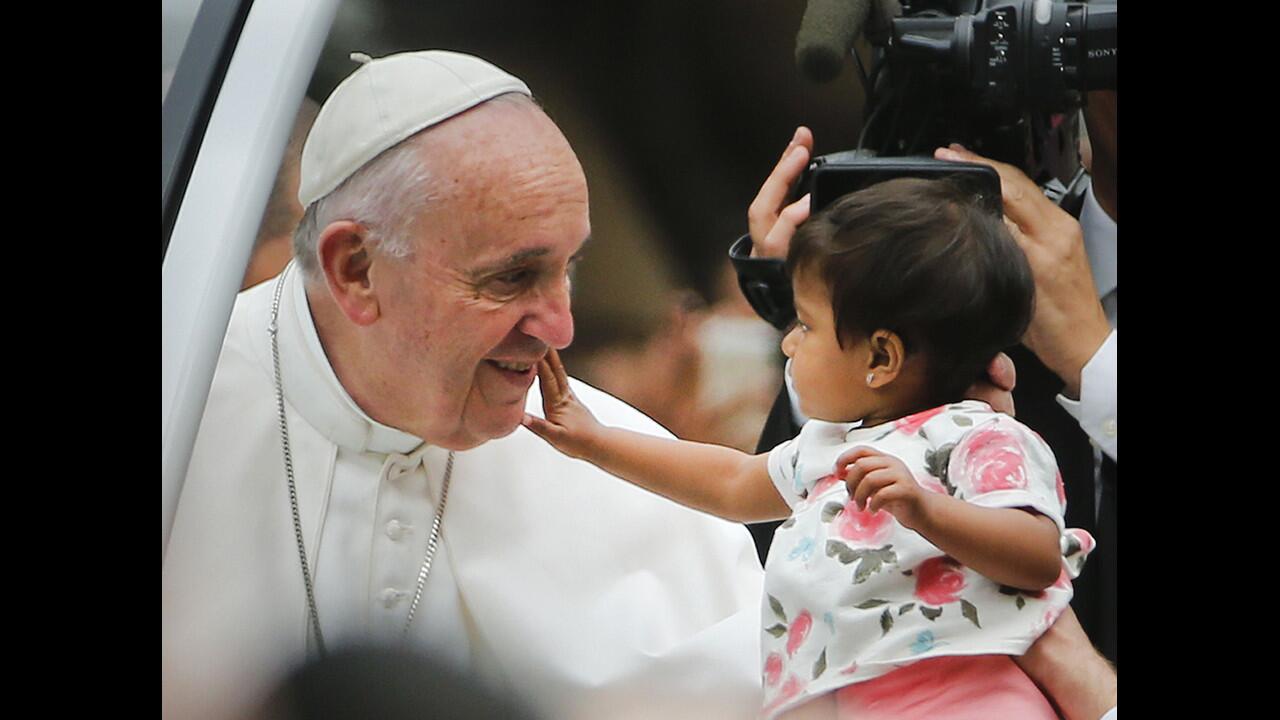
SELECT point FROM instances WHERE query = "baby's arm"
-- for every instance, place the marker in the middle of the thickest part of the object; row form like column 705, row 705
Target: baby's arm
column 715, row 479
column 1010, row 546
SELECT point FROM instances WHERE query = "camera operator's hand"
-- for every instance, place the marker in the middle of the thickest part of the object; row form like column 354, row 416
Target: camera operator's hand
column 1069, row 324
column 771, row 224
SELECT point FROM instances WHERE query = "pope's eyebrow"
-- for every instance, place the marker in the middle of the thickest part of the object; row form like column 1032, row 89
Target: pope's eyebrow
column 518, row 258
column 508, row 262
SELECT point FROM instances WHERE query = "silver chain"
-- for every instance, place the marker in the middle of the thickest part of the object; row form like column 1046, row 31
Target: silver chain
column 432, row 542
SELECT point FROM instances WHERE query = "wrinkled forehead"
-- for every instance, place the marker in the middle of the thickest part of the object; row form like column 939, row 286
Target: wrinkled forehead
column 506, row 177
column 507, row 135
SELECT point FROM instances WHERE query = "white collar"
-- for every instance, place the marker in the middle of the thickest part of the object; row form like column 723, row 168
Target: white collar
column 1099, row 243
column 313, row 389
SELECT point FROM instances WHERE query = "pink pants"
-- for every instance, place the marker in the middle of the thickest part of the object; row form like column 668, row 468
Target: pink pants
column 966, row 687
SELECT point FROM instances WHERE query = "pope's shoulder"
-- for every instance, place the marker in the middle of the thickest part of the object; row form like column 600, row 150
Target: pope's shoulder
column 245, row 356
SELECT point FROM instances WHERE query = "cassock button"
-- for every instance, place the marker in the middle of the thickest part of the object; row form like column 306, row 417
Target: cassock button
column 395, row 530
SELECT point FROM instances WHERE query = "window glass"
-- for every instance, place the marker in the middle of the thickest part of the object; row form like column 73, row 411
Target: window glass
column 177, row 18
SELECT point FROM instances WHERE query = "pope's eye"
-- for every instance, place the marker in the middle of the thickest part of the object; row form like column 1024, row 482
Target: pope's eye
column 513, row 278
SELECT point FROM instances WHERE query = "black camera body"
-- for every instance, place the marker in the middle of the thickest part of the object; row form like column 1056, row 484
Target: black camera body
column 1012, row 54
column 1002, row 77
column 833, row 176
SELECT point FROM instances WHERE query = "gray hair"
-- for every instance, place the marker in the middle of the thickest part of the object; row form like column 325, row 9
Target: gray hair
column 386, row 196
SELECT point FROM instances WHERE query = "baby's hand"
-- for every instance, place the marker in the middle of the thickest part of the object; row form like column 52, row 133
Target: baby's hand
column 569, row 426
column 881, row 482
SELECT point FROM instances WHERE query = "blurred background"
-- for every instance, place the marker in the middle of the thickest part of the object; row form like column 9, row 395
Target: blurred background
column 677, row 111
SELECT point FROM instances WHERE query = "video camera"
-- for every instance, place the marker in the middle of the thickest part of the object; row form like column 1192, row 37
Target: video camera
column 1001, row 77
column 989, row 75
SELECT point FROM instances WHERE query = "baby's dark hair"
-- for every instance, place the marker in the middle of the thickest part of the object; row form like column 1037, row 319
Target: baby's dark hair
column 923, row 259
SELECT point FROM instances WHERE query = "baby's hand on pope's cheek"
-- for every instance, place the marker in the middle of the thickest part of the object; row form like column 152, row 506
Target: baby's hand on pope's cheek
column 878, row 481
column 569, row 426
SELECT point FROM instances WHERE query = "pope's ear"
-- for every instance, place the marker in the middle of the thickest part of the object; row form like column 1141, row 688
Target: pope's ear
column 346, row 259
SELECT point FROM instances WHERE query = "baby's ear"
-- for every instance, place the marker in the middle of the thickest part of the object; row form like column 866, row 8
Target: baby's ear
column 887, row 356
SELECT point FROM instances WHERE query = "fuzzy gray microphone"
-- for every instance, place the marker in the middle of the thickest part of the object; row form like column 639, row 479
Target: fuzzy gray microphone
column 829, row 29
column 826, row 35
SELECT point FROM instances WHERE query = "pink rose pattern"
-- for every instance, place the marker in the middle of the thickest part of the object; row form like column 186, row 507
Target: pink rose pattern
column 864, row 528
column 912, row 423
column 798, row 631
column 1063, row 582
column 790, row 689
column 938, row 581
column 824, row 484
column 775, row 664
column 1083, row 538
column 1079, row 543
column 930, row 483
column 991, row 459
column 772, row 669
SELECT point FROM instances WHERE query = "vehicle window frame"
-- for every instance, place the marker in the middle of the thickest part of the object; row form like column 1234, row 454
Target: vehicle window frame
column 234, row 159
column 188, row 103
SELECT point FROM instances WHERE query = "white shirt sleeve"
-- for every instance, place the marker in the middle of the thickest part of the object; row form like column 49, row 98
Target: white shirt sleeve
column 1096, row 408
column 784, row 471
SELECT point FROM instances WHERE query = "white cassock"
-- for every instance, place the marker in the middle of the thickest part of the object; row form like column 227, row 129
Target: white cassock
column 580, row 594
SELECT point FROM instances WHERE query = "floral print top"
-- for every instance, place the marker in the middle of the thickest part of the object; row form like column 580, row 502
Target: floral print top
column 851, row 595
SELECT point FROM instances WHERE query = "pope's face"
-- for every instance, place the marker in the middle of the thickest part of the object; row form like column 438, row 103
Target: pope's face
column 464, row 320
